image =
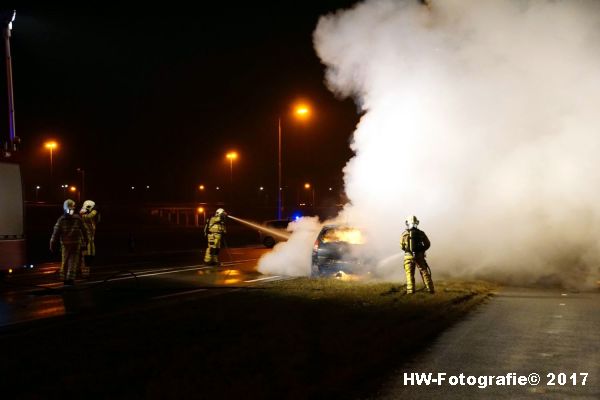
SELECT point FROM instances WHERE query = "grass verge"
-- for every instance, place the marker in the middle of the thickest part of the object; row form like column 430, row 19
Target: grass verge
column 294, row 339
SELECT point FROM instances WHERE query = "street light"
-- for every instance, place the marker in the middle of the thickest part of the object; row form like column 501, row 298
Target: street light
column 51, row 146
column 201, row 210
column 7, row 19
column 73, row 189
column 232, row 155
column 301, row 111
column 37, row 189
column 308, row 186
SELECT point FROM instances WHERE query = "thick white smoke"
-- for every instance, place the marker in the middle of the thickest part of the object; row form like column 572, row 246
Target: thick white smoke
column 480, row 118
column 293, row 258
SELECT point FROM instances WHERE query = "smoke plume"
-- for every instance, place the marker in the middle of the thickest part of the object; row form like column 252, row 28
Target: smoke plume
column 293, row 258
column 480, row 117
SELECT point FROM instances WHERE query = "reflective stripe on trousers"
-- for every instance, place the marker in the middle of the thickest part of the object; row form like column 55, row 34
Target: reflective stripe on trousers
column 410, row 264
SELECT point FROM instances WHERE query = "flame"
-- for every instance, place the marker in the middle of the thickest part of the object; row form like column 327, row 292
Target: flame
column 342, row 276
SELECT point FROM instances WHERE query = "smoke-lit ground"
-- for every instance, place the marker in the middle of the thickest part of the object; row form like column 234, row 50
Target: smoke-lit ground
column 480, row 117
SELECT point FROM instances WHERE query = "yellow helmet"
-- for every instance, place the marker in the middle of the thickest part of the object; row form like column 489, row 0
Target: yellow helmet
column 88, row 206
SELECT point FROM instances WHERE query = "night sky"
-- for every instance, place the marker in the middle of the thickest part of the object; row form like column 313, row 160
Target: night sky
column 157, row 98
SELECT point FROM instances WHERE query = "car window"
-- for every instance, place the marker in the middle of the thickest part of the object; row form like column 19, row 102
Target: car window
column 347, row 235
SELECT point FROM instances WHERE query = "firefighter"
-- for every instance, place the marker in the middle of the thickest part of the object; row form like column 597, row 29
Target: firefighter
column 414, row 243
column 90, row 216
column 214, row 231
column 71, row 232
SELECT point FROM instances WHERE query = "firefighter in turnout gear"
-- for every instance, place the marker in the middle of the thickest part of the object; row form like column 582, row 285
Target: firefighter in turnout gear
column 73, row 236
column 214, row 231
column 90, row 216
column 414, row 243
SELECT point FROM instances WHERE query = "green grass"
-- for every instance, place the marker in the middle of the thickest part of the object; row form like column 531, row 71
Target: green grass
column 295, row 339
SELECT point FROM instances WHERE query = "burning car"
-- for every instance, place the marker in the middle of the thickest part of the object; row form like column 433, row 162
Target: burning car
column 339, row 249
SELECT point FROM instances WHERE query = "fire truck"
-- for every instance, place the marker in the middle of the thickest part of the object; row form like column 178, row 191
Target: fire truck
column 12, row 231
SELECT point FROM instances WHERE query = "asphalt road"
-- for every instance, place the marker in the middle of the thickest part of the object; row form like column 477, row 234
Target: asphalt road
column 36, row 294
column 521, row 331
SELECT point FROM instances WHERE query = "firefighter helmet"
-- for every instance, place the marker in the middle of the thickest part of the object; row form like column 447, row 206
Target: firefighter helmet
column 88, row 206
column 219, row 211
column 69, row 206
column 411, row 221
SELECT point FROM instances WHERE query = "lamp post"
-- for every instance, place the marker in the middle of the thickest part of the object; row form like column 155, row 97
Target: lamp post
column 200, row 193
column 308, row 186
column 7, row 20
column 82, row 172
column 37, row 189
column 201, row 210
column 300, row 111
column 73, row 190
column 51, row 146
column 232, row 155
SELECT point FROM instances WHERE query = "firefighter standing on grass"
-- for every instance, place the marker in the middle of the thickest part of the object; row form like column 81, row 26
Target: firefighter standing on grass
column 214, row 231
column 414, row 243
column 73, row 236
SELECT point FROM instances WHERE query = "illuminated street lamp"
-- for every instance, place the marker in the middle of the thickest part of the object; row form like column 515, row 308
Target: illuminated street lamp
column 232, row 155
column 51, row 146
column 37, row 189
column 301, row 111
column 201, row 210
column 308, row 186
column 73, row 190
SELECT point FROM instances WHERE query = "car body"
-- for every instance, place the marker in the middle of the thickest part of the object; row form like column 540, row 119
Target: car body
column 339, row 249
column 270, row 237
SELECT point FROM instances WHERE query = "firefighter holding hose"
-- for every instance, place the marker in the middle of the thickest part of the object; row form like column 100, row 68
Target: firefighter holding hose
column 214, row 231
column 414, row 243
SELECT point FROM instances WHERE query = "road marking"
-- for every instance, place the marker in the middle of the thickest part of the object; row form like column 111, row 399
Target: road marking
column 186, row 268
column 179, row 294
column 133, row 275
column 562, row 304
column 263, row 279
column 154, row 274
